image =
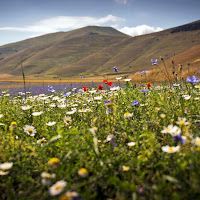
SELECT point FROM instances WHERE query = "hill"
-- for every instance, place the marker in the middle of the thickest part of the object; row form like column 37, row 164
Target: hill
column 93, row 51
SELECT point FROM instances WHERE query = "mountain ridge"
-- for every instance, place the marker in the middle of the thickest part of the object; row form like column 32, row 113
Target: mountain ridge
column 94, row 50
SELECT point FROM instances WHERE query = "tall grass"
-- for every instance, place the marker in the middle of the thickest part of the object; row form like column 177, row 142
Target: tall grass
column 103, row 143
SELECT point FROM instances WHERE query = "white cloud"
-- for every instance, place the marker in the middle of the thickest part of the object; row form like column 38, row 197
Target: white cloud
column 140, row 30
column 121, row 1
column 64, row 23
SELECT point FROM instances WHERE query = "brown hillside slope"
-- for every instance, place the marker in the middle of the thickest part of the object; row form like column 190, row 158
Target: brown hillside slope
column 134, row 54
column 191, row 56
column 77, row 44
column 93, row 51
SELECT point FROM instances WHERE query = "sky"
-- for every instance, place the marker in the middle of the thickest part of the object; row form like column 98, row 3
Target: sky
column 22, row 19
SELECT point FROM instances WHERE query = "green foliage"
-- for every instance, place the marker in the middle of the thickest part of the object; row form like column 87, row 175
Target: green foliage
column 120, row 145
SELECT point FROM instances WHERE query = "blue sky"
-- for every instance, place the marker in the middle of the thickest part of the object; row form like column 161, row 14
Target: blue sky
column 22, row 19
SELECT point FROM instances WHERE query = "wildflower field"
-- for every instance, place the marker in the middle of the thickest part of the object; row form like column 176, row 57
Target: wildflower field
column 102, row 142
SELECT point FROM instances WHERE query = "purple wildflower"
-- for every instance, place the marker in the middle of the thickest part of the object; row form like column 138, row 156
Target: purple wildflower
column 193, row 79
column 115, row 69
column 179, row 138
column 144, row 91
column 135, row 103
column 144, row 72
column 154, row 62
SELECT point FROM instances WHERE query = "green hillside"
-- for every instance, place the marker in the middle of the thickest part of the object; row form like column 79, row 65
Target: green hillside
column 94, row 50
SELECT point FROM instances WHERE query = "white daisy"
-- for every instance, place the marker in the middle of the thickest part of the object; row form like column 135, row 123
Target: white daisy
column 71, row 112
column 51, row 123
column 3, row 173
column 186, row 97
column 128, row 115
column 41, row 141
column 197, row 141
column 6, row 166
column 92, row 91
column 47, row 178
column 115, row 88
column 56, row 98
column 67, row 120
column 61, row 105
column 30, row 130
column 37, row 113
column 182, row 121
column 26, row 107
column 169, row 149
column 70, row 195
column 170, row 129
column 53, row 105
column 109, row 138
column 131, row 144
column 127, row 79
column 44, row 98
column 125, row 168
column 57, row 188
column 98, row 98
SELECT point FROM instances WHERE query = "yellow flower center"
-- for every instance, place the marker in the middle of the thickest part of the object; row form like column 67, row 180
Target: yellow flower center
column 125, row 168
column 67, row 120
column 170, row 148
column 181, row 123
column 6, row 168
column 53, row 161
column 30, row 131
column 14, row 124
column 82, row 172
column 57, row 187
column 94, row 128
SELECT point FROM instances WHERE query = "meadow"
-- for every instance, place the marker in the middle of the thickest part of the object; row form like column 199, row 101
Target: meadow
column 107, row 141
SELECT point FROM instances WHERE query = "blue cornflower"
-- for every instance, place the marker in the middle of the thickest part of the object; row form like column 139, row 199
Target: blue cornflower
column 66, row 95
column 81, row 76
column 50, row 89
column 199, row 72
column 144, row 72
column 179, row 138
column 154, row 62
column 115, row 145
column 115, row 69
column 135, row 103
column 144, row 91
column 193, row 79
